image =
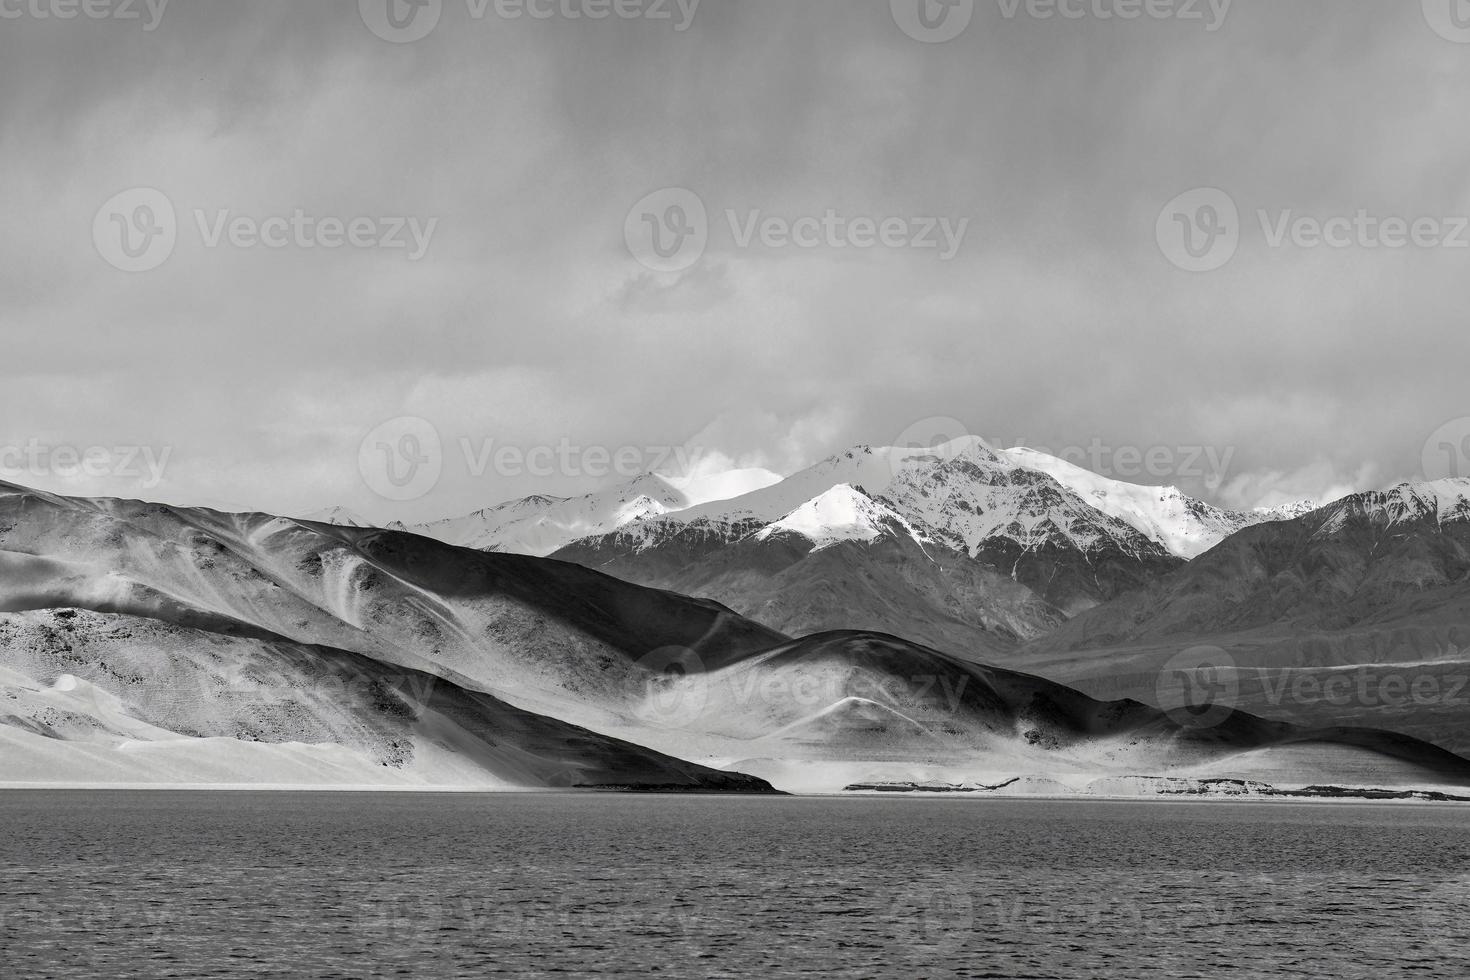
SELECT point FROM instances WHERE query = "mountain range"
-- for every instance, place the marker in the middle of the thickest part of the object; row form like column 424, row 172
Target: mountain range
column 959, row 546
column 960, row 615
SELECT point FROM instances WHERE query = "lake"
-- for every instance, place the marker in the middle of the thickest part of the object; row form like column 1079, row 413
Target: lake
column 191, row 884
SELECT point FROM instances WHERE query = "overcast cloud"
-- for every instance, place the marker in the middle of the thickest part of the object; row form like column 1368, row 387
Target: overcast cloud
column 515, row 149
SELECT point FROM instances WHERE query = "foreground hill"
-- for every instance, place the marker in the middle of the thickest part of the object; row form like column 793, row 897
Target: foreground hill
column 224, row 648
column 848, row 707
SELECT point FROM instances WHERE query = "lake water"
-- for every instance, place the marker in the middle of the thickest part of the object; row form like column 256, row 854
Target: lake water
column 350, row 885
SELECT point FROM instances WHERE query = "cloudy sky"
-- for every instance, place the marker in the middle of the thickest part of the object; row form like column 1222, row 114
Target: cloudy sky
column 254, row 251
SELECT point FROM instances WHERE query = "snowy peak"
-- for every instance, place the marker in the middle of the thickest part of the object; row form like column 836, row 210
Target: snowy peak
column 1440, row 502
column 873, row 469
column 540, row 525
column 972, row 503
column 1284, row 512
column 340, row 516
column 1185, row 526
column 843, row 513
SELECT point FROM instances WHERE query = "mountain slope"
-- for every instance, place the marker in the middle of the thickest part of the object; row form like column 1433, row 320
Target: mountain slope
column 969, row 550
column 369, row 654
column 837, row 708
column 539, row 525
column 1323, row 617
column 97, row 699
column 504, row 626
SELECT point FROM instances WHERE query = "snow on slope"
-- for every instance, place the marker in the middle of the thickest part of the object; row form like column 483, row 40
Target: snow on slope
column 1182, row 524
column 1445, row 501
column 541, row 525
column 964, row 494
column 841, row 514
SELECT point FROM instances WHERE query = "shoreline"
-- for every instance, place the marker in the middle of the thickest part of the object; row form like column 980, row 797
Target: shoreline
column 1282, row 798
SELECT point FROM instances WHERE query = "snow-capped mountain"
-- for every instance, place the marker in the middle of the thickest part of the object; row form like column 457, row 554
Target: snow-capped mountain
column 936, row 531
column 341, row 516
column 158, row 645
column 1186, row 526
column 843, row 513
column 540, row 525
column 1441, row 502
column 1371, row 590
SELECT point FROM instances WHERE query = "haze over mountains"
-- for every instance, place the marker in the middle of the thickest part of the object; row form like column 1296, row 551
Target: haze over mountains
column 151, row 644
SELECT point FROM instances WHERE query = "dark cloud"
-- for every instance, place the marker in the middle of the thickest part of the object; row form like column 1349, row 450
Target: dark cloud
column 1060, row 322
